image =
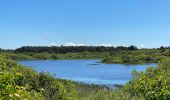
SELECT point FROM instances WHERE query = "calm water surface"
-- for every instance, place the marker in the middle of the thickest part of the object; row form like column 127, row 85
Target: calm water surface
column 88, row 71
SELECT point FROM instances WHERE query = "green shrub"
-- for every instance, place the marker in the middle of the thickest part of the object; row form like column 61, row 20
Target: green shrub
column 19, row 82
column 154, row 84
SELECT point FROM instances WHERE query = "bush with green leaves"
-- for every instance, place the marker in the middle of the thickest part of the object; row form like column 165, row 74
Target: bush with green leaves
column 21, row 83
column 153, row 84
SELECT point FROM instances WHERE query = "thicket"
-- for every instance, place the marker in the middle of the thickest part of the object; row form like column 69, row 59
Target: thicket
column 153, row 84
column 21, row 83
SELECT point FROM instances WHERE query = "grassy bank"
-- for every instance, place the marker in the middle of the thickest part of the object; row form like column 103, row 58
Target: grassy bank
column 19, row 82
column 53, row 56
column 140, row 56
column 150, row 85
column 120, row 57
column 135, row 56
column 120, row 54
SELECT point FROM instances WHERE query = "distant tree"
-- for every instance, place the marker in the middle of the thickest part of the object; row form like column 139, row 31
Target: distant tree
column 162, row 48
column 132, row 47
column 72, row 49
column 65, row 49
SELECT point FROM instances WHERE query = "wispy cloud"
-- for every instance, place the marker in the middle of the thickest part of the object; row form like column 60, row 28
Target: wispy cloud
column 80, row 44
column 73, row 44
column 103, row 44
column 54, row 44
column 106, row 45
column 141, row 46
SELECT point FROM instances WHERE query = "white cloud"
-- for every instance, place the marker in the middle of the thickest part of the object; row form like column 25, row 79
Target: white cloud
column 141, row 45
column 106, row 45
column 73, row 44
column 81, row 44
column 54, row 44
column 125, row 45
column 69, row 44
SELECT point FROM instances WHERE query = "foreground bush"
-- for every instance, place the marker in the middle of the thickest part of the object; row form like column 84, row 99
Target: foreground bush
column 19, row 82
column 154, row 84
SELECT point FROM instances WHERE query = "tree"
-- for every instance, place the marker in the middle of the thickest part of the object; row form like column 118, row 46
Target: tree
column 132, row 47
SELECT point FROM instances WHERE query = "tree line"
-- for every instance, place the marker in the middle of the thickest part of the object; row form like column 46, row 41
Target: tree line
column 72, row 49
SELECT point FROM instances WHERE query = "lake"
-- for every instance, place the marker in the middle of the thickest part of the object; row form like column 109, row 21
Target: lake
column 87, row 71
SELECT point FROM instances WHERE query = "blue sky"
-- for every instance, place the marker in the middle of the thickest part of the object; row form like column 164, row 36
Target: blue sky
column 144, row 23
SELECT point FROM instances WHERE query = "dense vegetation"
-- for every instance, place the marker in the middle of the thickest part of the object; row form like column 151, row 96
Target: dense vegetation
column 18, row 82
column 53, row 56
column 21, row 83
column 72, row 49
column 134, row 57
column 125, row 55
column 154, row 84
column 139, row 56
